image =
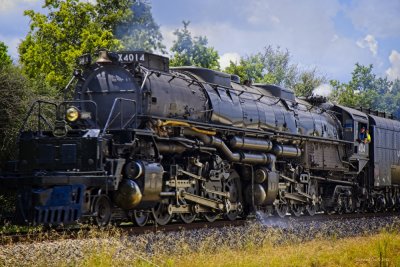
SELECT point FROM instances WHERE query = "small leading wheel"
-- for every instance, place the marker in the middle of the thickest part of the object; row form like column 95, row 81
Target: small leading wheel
column 160, row 212
column 296, row 209
column 281, row 209
column 102, row 211
column 140, row 217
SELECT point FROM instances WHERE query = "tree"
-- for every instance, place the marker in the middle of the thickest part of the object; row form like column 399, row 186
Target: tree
column 71, row 28
column 136, row 28
column 249, row 68
column 343, row 94
column 139, row 31
column 15, row 98
column 5, row 59
column 367, row 90
column 278, row 68
column 307, row 81
column 272, row 66
column 193, row 51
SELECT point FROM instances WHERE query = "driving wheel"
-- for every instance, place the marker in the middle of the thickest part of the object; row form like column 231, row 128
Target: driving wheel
column 160, row 212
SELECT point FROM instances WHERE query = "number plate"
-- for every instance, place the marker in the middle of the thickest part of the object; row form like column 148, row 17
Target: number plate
column 130, row 57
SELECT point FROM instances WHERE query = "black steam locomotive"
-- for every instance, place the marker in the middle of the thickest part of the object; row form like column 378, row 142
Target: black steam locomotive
column 140, row 139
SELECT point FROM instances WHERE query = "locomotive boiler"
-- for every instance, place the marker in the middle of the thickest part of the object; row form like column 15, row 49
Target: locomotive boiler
column 138, row 140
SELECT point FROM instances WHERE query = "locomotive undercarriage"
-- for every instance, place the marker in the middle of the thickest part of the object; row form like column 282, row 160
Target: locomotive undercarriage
column 198, row 181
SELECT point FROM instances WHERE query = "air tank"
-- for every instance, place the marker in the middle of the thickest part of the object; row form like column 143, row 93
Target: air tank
column 249, row 143
column 286, row 151
column 128, row 195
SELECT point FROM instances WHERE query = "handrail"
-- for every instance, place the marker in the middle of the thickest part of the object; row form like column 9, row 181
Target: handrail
column 40, row 117
column 57, row 108
column 111, row 119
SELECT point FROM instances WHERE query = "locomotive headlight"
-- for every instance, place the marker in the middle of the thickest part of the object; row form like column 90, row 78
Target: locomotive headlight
column 72, row 114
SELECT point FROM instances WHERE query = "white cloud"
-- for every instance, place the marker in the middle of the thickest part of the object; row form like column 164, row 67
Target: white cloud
column 11, row 5
column 6, row 5
column 226, row 58
column 370, row 42
column 394, row 71
column 377, row 17
column 306, row 29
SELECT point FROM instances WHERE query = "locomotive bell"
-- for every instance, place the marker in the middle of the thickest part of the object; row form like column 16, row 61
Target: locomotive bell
column 128, row 195
column 103, row 57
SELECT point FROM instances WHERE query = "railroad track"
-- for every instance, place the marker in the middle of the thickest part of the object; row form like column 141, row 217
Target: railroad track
column 93, row 232
column 275, row 221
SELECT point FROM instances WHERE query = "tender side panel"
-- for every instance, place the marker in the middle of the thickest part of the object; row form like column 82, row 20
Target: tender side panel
column 385, row 151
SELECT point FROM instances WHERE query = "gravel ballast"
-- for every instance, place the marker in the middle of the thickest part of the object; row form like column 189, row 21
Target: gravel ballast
column 146, row 246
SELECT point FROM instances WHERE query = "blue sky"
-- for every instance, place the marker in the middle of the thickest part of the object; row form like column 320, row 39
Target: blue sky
column 329, row 35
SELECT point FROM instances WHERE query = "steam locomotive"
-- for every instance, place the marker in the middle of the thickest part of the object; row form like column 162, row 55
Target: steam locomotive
column 141, row 140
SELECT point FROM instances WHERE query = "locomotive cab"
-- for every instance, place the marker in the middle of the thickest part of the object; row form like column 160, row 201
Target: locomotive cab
column 353, row 121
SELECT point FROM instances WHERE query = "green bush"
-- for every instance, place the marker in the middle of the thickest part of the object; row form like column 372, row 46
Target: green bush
column 15, row 98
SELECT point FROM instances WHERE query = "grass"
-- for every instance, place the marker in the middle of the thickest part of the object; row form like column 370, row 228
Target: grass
column 251, row 246
column 347, row 252
column 377, row 250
